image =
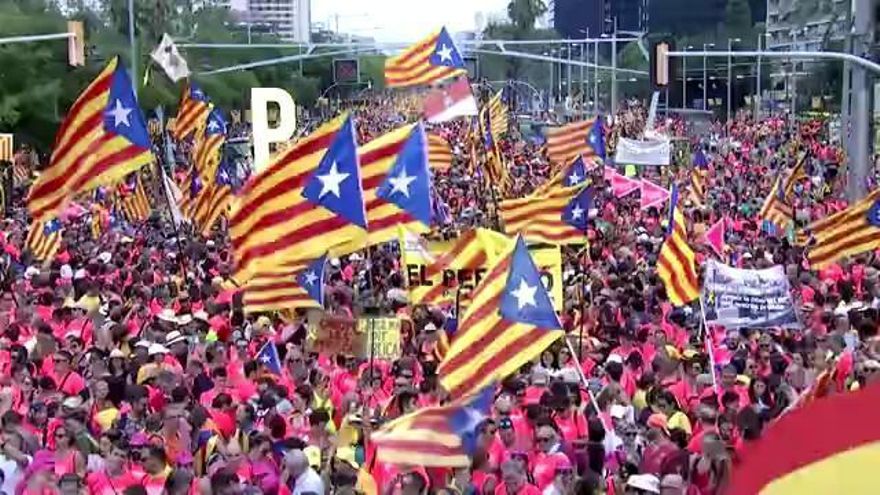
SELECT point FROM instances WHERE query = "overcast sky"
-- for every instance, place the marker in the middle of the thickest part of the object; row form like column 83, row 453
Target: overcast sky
column 397, row 20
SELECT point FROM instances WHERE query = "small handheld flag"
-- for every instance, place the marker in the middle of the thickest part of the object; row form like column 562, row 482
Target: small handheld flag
column 268, row 357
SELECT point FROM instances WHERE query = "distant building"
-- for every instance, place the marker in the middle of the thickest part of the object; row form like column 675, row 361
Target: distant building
column 680, row 17
column 291, row 19
column 798, row 25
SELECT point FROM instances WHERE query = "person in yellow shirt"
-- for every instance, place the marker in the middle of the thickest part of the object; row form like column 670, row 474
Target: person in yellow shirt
column 664, row 403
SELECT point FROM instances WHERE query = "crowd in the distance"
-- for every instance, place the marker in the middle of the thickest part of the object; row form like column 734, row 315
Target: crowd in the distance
column 127, row 364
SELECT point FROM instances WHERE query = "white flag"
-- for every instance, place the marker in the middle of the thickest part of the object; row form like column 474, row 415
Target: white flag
column 173, row 195
column 167, row 56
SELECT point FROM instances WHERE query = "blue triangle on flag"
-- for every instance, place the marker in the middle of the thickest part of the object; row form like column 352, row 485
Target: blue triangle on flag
column 408, row 183
column 577, row 172
column 445, row 53
column 312, row 279
column 466, row 419
column 874, row 214
column 576, row 212
column 700, row 160
column 122, row 116
column 596, row 137
column 216, row 123
column 268, row 357
column 525, row 300
column 52, row 226
column 336, row 183
column 196, row 93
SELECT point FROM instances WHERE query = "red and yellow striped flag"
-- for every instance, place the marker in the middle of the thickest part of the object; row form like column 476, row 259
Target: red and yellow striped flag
column 432, row 59
column 542, row 218
column 566, row 142
column 675, row 263
column 135, row 204
column 392, row 201
column 293, row 289
column 304, row 203
column 846, row 233
column 102, row 139
column 776, row 208
column 439, row 152
column 7, row 151
column 192, row 111
column 509, row 322
column 44, row 239
column 435, row 281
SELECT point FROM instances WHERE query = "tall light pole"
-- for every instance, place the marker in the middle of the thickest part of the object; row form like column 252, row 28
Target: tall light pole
column 684, row 78
column 730, row 42
column 762, row 38
column 706, row 77
column 596, row 77
column 132, row 46
column 614, row 70
column 584, row 55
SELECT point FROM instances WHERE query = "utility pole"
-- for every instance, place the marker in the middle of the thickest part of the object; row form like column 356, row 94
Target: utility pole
column 860, row 164
column 706, row 77
column 614, row 71
column 596, row 78
column 133, row 47
column 730, row 42
column 758, row 98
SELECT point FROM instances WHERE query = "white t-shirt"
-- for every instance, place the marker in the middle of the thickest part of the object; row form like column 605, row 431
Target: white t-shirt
column 12, row 474
column 308, row 482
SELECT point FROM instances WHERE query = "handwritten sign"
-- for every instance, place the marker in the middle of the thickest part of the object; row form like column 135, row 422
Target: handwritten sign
column 333, row 335
column 379, row 337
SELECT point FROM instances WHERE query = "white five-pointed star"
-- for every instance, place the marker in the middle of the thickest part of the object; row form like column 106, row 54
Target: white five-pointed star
column 198, row 93
column 401, row 183
column 120, row 114
column 310, row 278
column 574, row 178
column 474, row 418
column 592, row 138
column 265, row 358
column 525, row 294
column 213, row 125
column 577, row 212
column 331, row 181
column 445, row 53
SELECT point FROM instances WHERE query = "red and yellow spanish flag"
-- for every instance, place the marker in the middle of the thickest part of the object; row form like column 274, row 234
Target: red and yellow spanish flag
column 827, row 446
column 432, row 59
column 509, row 322
column 845, row 233
column 675, row 263
column 102, row 139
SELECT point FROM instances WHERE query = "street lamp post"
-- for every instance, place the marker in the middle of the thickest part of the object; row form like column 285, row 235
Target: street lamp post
column 706, row 77
column 133, row 47
column 684, row 79
column 730, row 42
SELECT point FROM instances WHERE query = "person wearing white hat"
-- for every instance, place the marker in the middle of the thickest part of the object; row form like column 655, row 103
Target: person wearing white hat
column 638, row 484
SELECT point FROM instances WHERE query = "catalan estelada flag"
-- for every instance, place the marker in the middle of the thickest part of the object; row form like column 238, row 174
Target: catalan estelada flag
column 498, row 115
column 575, row 174
column 209, row 145
column 134, row 201
column 397, row 187
column 438, row 436
column 566, row 142
column 453, row 274
column 554, row 217
column 509, row 322
column 675, row 263
column 304, row 203
column 776, row 208
column 839, row 458
column 102, row 139
column 192, row 111
column 212, row 200
column 432, row 59
column 302, row 287
column 697, row 186
column 439, row 153
column 44, row 239
column 845, row 233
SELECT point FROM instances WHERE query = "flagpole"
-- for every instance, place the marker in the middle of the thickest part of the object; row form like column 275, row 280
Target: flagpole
column 586, row 384
column 709, row 349
column 160, row 174
column 584, row 288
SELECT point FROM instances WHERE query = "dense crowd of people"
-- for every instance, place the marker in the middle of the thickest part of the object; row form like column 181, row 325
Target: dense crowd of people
column 128, row 363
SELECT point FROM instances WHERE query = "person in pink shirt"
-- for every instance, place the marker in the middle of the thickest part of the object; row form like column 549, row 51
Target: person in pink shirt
column 115, row 477
column 67, row 381
column 547, row 455
column 514, row 481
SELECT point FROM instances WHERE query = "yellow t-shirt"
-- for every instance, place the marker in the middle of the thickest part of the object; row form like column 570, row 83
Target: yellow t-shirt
column 679, row 420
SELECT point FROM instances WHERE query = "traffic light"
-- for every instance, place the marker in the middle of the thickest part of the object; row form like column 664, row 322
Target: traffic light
column 76, row 45
column 661, row 72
